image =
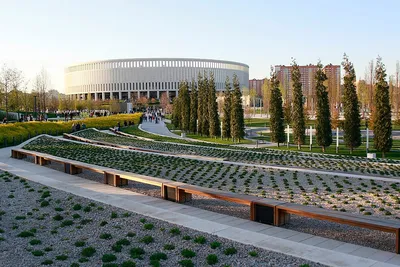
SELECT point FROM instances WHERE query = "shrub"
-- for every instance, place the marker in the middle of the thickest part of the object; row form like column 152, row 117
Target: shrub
column 76, row 216
column 169, row 247
column 187, row 253
column 158, row 256
column 147, row 239
column 103, row 223
column 143, row 220
column 58, row 217
column 175, row 231
column 215, row 245
column 186, row 263
column 114, row 215
column 200, row 240
column 20, row 218
column 105, row 236
column 108, row 258
column 155, row 263
column 186, row 237
column 44, row 203
column 136, row 253
column 26, row 234
column 77, row 207
column 123, row 242
column 61, row 257
column 131, row 234
column 34, row 242
column 116, row 248
column 37, row 253
column 48, row 249
column 212, row 259
column 67, row 223
column 128, row 264
column 148, row 226
column 80, row 243
column 74, row 264
column 82, row 260
column 47, row 262
column 230, row 251
column 253, row 253
column 58, row 209
column 87, row 209
column 88, row 252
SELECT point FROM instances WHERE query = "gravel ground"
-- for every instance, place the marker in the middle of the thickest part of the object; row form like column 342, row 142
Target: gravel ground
column 349, row 234
column 55, row 220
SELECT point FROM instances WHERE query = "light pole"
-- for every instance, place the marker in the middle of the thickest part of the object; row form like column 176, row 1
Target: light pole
column 34, row 106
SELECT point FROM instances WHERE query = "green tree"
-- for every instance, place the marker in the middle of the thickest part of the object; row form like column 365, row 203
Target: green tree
column 237, row 116
column 383, row 115
column 323, row 122
column 276, row 110
column 193, row 107
column 213, row 116
column 205, row 113
column 352, row 120
column 299, row 125
column 184, row 103
column 226, row 120
column 176, row 113
column 200, row 103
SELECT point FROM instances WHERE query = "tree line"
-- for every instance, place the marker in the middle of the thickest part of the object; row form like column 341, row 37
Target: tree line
column 196, row 110
column 381, row 116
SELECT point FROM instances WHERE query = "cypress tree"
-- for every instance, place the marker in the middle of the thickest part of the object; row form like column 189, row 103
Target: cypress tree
column 323, row 122
column 204, row 113
column 193, row 108
column 176, row 113
column 276, row 111
column 184, row 100
column 213, row 116
column 383, row 115
column 352, row 120
column 299, row 125
column 226, row 120
column 200, row 102
column 237, row 116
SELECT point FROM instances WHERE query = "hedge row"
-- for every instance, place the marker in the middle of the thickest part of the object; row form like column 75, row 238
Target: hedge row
column 16, row 133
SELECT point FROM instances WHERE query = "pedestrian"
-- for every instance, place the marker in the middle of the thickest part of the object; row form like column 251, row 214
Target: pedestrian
column 78, row 126
column 73, row 127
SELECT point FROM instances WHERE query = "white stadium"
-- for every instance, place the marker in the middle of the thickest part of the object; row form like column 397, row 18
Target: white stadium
column 150, row 77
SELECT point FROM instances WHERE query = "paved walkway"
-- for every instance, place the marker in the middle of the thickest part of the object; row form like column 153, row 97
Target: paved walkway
column 158, row 128
column 318, row 249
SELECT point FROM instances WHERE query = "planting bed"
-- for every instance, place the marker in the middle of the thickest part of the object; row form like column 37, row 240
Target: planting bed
column 368, row 197
column 44, row 226
column 260, row 156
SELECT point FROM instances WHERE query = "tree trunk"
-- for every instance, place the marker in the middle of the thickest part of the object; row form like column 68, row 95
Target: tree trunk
column 351, row 150
column 383, row 154
column 298, row 146
column 323, row 149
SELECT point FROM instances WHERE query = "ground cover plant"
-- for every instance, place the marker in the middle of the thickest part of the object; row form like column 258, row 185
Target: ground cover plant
column 368, row 197
column 82, row 246
column 381, row 167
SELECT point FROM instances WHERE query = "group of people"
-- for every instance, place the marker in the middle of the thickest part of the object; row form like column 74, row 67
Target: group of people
column 152, row 115
column 77, row 126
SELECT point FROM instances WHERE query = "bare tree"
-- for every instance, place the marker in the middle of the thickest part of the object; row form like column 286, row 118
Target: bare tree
column 42, row 84
column 10, row 79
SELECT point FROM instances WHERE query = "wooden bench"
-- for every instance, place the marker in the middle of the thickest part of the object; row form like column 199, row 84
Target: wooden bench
column 374, row 223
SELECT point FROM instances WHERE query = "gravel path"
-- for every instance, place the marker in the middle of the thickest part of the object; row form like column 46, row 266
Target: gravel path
column 61, row 227
column 349, row 234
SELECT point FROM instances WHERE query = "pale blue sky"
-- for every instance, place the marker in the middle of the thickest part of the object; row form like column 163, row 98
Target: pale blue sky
column 56, row 33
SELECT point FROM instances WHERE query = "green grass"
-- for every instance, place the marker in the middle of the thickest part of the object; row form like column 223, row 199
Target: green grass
column 217, row 140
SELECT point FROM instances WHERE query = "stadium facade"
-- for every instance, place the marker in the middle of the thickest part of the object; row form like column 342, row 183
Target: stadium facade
column 150, row 77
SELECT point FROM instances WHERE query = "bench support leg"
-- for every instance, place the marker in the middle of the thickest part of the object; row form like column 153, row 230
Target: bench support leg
column 281, row 217
column 398, row 241
column 75, row 170
column 41, row 161
column 182, row 196
column 17, row 155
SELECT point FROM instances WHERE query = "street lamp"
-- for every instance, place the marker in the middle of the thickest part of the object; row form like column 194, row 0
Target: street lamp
column 34, row 106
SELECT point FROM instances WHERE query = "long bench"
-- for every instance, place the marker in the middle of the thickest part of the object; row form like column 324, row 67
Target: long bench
column 374, row 223
column 262, row 210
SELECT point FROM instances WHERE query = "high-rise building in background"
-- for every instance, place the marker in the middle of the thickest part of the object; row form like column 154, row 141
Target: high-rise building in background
column 308, row 84
column 257, row 85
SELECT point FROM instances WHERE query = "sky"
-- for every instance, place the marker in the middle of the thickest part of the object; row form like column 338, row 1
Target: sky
column 53, row 34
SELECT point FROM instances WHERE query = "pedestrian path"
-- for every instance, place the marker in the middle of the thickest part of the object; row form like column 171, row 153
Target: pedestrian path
column 157, row 128
column 317, row 249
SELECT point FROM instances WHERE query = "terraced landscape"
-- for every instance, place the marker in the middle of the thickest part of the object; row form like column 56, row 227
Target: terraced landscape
column 369, row 197
column 42, row 226
column 357, row 165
